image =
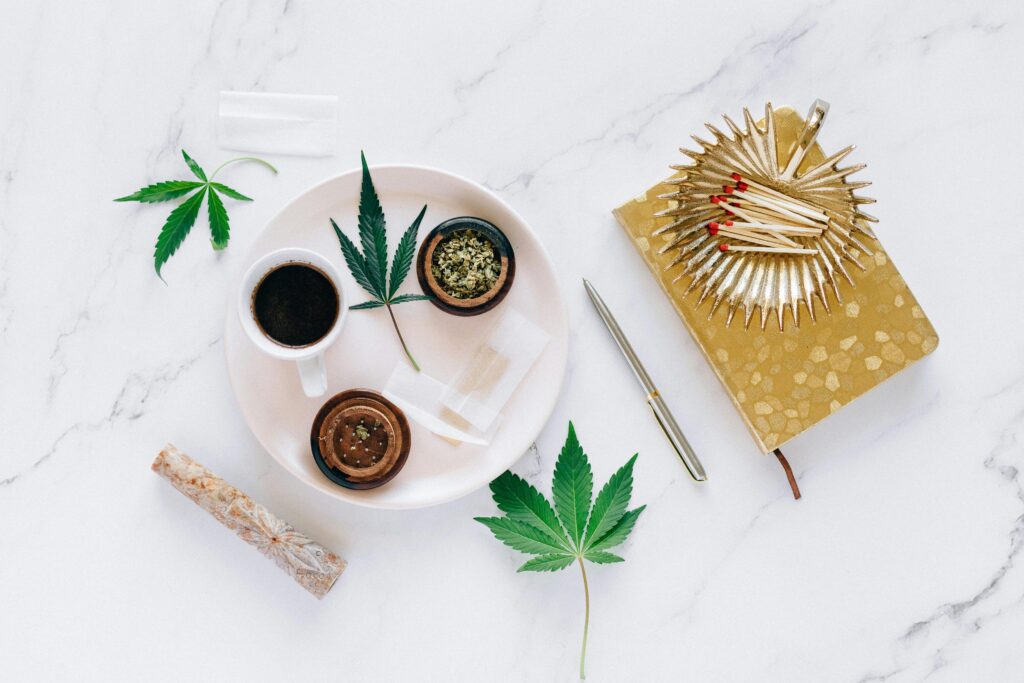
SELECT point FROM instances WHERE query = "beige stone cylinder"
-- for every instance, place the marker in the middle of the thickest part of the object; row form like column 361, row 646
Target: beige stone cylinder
column 314, row 567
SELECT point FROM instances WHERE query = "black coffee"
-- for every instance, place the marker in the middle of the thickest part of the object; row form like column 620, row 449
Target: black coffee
column 295, row 304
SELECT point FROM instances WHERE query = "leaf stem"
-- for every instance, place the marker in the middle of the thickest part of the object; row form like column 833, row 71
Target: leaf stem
column 231, row 161
column 402, row 339
column 586, row 618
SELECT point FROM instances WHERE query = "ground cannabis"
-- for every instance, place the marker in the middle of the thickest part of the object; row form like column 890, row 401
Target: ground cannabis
column 466, row 264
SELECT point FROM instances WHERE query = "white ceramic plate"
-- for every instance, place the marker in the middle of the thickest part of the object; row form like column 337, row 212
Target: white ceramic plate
column 367, row 350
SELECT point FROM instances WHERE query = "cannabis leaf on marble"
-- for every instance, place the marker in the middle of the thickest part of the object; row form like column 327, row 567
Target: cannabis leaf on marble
column 572, row 530
column 183, row 217
column 369, row 267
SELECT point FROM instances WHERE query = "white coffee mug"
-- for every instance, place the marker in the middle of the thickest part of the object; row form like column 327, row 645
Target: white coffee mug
column 309, row 359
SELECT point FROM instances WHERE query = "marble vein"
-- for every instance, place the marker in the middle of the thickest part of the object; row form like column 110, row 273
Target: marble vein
column 631, row 125
column 466, row 89
column 966, row 617
column 130, row 404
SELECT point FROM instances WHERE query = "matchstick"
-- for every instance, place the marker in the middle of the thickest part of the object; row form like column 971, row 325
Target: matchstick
column 766, row 250
column 768, row 216
column 755, row 230
column 757, row 224
column 763, row 189
column 752, row 219
column 782, row 205
column 769, row 206
column 790, row 203
column 745, row 235
column 723, row 202
column 752, row 239
column 783, row 229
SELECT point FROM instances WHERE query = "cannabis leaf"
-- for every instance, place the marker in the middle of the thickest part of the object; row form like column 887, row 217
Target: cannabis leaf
column 572, row 530
column 369, row 267
column 183, row 217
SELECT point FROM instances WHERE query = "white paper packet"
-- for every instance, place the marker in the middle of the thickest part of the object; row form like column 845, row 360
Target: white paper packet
column 482, row 388
column 419, row 396
column 278, row 123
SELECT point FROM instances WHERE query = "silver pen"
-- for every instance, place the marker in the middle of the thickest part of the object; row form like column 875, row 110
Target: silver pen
column 654, row 399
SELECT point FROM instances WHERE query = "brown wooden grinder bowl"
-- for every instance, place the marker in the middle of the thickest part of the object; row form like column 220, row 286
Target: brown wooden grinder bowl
column 479, row 304
column 354, row 461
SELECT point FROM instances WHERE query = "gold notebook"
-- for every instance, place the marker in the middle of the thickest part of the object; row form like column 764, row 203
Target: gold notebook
column 785, row 381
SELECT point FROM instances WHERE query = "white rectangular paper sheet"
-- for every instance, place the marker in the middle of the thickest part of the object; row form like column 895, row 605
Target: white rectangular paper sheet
column 419, row 396
column 278, row 123
column 480, row 391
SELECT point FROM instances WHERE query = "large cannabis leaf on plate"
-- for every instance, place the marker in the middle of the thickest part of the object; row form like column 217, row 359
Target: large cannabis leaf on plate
column 572, row 530
column 183, row 217
column 369, row 267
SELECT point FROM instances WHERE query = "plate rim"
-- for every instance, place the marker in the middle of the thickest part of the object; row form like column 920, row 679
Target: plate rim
column 563, row 332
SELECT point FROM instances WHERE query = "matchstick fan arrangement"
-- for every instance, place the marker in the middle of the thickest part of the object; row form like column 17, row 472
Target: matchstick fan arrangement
column 755, row 235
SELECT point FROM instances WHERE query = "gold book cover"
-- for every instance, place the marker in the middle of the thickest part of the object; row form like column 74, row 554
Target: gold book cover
column 783, row 381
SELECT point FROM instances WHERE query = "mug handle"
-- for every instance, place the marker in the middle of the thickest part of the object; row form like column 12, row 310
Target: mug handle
column 313, row 375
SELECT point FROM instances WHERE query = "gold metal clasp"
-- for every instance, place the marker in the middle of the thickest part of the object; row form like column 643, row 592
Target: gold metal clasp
column 815, row 117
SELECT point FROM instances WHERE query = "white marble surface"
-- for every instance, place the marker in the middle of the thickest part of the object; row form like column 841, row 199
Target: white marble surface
column 901, row 563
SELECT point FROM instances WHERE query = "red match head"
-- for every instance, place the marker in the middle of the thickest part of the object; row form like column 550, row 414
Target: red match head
column 715, row 199
column 742, row 185
column 723, row 247
column 736, row 176
column 727, row 189
column 728, row 224
column 713, row 224
column 713, row 229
